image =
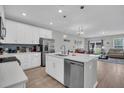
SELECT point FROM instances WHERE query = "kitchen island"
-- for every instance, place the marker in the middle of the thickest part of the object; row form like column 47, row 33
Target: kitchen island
column 55, row 67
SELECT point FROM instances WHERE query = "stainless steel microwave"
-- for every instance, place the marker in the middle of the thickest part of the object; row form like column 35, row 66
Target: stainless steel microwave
column 2, row 29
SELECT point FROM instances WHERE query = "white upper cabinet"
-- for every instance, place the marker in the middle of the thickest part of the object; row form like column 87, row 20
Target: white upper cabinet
column 3, row 18
column 44, row 33
column 35, row 35
column 20, row 33
column 24, row 34
column 11, row 32
column 2, row 13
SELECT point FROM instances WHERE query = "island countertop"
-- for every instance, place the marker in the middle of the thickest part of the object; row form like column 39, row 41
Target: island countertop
column 10, row 74
column 77, row 57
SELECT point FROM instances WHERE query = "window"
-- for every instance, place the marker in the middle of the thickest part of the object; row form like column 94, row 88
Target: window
column 118, row 43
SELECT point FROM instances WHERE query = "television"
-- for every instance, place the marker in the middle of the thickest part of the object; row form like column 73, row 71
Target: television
column 2, row 29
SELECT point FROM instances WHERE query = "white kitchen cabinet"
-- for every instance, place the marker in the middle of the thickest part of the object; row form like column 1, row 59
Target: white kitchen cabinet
column 60, row 70
column 28, row 37
column 22, row 33
column 11, row 34
column 25, row 60
column 19, row 33
column 2, row 13
column 28, row 60
column 50, row 66
column 14, row 33
column 19, row 57
column 55, row 68
column 3, row 19
column 35, row 60
column 44, row 33
column 35, row 35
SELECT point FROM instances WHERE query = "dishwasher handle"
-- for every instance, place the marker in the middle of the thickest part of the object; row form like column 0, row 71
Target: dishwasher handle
column 72, row 63
column 76, row 63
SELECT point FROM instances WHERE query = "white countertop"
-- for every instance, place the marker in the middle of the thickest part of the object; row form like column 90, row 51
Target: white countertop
column 78, row 57
column 13, row 54
column 11, row 73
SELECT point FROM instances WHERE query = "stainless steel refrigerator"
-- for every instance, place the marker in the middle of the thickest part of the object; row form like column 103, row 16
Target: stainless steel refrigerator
column 46, row 46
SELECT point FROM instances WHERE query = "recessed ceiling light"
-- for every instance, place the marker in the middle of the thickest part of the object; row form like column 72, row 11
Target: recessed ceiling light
column 51, row 23
column 24, row 14
column 60, row 11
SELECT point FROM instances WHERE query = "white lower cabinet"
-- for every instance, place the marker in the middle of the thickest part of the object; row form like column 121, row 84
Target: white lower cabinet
column 35, row 60
column 50, row 66
column 29, row 60
column 55, row 68
column 60, row 70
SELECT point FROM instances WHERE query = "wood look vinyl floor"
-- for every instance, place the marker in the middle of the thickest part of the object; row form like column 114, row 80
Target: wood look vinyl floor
column 109, row 75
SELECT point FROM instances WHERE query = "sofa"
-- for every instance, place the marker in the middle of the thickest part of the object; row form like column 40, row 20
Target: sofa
column 79, row 50
column 116, row 53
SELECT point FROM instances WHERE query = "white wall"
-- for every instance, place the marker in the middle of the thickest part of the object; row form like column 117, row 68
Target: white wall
column 59, row 41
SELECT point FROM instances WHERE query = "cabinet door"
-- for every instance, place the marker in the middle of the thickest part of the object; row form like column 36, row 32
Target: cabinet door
column 35, row 35
column 35, row 62
column 50, row 66
column 21, row 35
column 60, row 70
column 21, row 59
column 24, row 34
column 29, row 36
column 11, row 32
column 25, row 61
column 45, row 33
column 55, row 68
column 16, row 33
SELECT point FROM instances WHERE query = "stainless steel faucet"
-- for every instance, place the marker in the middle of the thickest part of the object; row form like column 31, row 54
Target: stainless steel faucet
column 64, row 49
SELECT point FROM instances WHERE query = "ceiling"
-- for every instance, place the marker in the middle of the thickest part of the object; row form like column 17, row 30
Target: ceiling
column 95, row 20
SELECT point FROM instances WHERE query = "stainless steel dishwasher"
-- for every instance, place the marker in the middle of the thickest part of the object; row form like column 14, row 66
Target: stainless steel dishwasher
column 73, row 74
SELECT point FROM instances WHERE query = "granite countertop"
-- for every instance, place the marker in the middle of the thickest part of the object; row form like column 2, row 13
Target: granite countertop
column 10, row 74
column 78, row 57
